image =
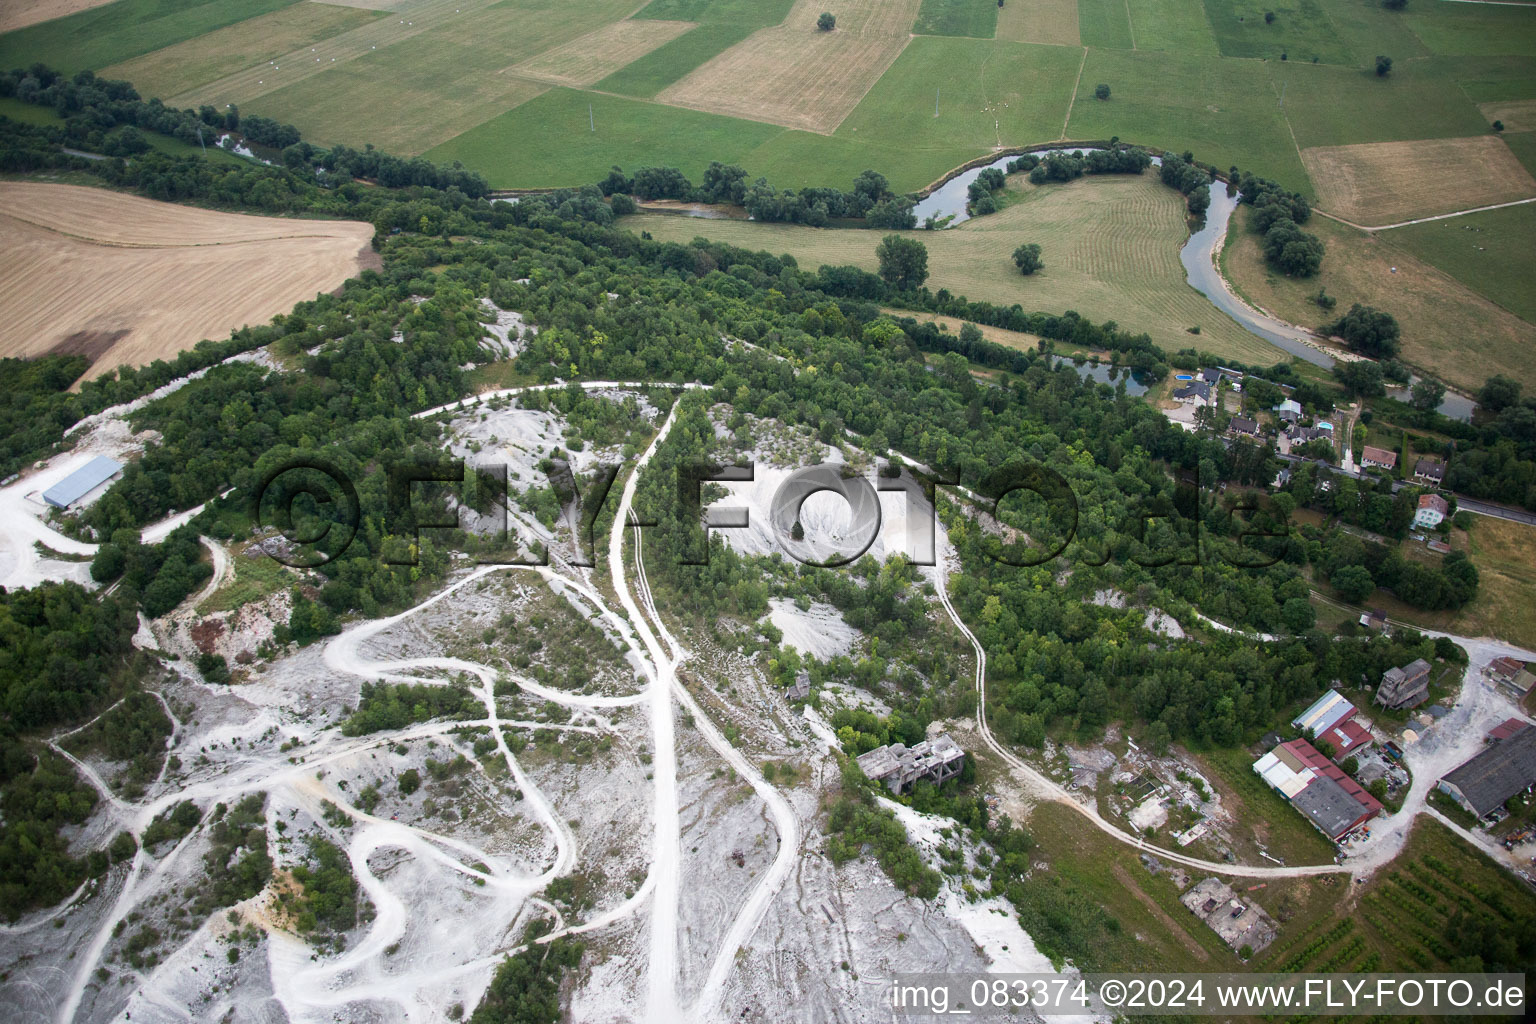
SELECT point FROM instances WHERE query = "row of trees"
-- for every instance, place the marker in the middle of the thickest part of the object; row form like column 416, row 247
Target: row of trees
column 93, row 108
column 870, row 199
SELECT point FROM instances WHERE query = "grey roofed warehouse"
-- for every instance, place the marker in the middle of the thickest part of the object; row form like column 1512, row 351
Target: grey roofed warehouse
column 82, row 482
column 1507, row 767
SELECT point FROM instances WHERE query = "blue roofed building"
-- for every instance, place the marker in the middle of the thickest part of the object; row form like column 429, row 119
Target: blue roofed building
column 82, row 482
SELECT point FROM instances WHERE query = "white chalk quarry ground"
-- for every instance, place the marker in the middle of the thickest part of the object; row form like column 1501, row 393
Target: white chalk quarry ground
column 571, row 785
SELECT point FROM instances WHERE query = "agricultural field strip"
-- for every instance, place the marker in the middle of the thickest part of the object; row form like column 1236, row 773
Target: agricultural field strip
column 590, row 58
column 1426, row 220
column 300, row 64
column 1042, row 21
column 103, row 217
column 797, row 76
column 21, row 13
column 179, row 67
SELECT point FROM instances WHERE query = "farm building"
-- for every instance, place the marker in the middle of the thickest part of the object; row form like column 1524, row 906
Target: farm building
column 1333, row 802
column 1326, row 712
column 1432, row 511
column 898, row 766
column 82, row 482
column 1505, row 729
column 1238, row 923
column 1505, row 768
column 1511, row 673
column 1374, row 619
column 1331, row 720
column 1405, row 686
column 1429, row 471
column 1378, row 458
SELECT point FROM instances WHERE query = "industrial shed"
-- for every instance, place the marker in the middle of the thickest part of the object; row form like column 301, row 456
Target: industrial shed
column 1505, row 768
column 1333, row 802
column 82, row 482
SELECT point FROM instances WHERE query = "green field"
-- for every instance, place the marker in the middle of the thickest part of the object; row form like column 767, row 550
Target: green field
column 1301, row 30
column 1488, row 252
column 1474, row 30
column 514, row 148
column 974, row 18
column 989, row 92
column 758, row 13
column 1523, row 144
column 1490, row 79
column 1225, row 111
column 1176, row 25
column 115, row 32
column 1111, row 248
column 1368, row 28
column 1104, row 23
column 1334, row 106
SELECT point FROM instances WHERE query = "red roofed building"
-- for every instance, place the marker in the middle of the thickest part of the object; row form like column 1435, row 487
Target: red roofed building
column 1334, row 803
column 1346, row 738
column 1505, row 729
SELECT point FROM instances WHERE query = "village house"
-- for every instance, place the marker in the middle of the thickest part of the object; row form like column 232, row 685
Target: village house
column 1511, row 673
column 1243, row 427
column 1432, row 511
column 1374, row 619
column 1378, row 458
column 1194, row 393
column 1429, row 471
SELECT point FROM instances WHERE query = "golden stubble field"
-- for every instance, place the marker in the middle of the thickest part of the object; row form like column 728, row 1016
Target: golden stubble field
column 798, row 76
column 126, row 280
column 1380, row 183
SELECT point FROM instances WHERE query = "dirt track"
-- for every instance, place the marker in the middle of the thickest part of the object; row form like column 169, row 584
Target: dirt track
column 125, row 280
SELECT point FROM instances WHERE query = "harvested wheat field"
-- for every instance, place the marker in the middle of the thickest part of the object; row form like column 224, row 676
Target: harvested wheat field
column 596, row 55
column 797, row 76
column 1382, row 183
column 16, row 14
column 126, row 281
column 1042, row 21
